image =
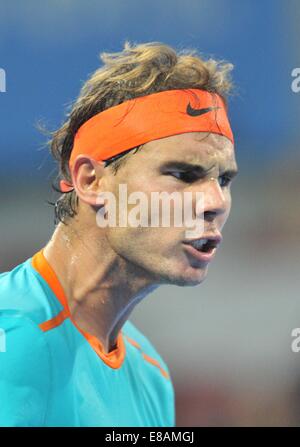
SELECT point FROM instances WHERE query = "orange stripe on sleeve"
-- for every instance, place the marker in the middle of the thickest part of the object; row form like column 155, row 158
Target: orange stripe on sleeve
column 133, row 342
column 148, row 358
column 55, row 321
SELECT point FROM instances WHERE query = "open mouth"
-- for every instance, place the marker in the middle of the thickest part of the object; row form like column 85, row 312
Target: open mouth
column 203, row 249
column 204, row 245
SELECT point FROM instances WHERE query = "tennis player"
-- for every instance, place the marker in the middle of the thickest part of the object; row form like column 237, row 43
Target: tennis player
column 154, row 120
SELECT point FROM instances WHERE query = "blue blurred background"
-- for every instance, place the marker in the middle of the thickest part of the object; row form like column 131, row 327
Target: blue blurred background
column 231, row 360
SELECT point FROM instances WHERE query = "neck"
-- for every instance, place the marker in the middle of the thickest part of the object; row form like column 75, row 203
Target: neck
column 101, row 287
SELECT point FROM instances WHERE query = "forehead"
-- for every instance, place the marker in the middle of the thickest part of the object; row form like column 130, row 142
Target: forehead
column 192, row 147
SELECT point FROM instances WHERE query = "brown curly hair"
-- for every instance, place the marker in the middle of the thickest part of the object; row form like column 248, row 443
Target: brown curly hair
column 137, row 70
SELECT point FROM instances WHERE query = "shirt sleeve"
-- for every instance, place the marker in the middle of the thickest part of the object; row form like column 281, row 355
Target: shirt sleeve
column 24, row 372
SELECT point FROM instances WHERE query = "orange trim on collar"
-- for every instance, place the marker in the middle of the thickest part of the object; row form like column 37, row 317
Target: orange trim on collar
column 114, row 358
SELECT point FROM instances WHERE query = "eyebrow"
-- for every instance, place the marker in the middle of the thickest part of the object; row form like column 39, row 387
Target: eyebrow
column 199, row 169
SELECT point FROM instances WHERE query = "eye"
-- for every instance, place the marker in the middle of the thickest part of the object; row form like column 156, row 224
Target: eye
column 187, row 177
column 225, row 180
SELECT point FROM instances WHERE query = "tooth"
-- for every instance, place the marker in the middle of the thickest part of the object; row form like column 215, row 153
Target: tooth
column 199, row 243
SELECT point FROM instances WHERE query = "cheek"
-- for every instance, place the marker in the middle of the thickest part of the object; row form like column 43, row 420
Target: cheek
column 146, row 240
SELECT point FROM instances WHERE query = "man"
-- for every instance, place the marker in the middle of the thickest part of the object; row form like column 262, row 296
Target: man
column 154, row 121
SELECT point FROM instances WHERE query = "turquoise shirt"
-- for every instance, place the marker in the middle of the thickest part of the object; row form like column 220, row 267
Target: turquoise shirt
column 54, row 374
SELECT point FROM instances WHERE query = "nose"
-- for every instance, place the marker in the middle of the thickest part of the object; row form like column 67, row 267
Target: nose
column 214, row 201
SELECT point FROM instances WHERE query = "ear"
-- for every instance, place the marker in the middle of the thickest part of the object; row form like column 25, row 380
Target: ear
column 87, row 177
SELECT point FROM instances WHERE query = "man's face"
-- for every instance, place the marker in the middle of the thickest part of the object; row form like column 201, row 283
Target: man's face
column 190, row 162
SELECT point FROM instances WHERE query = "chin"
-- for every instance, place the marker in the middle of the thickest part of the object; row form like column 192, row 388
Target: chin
column 190, row 279
column 190, row 282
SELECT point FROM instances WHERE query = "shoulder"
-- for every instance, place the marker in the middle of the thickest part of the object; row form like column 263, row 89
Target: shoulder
column 24, row 370
column 155, row 372
column 23, row 289
column 134, row 335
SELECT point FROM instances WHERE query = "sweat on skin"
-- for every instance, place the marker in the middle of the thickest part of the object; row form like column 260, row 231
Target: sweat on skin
column 110, row 270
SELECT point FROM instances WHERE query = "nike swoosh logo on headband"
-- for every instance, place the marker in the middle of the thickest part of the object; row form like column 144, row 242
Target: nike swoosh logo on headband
column 196, row 112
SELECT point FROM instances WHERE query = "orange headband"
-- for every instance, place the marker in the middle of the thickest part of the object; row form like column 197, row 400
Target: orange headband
column 146, row 118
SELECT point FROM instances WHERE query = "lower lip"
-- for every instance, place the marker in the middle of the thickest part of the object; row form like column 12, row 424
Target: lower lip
column 199, row 255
